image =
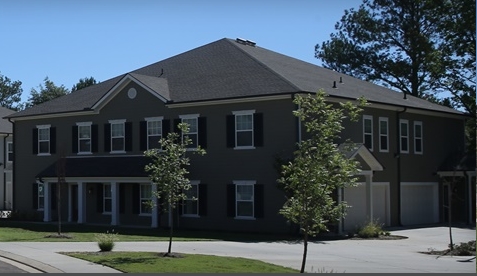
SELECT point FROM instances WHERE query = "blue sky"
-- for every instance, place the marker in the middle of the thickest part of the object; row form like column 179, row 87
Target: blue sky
column 69, row 40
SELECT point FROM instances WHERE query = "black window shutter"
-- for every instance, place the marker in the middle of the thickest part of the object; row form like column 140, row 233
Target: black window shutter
column 135, row 199
column 35, row 141
column 52, row 139
column 175, row 126
column 74, row 139
column 258, row 129
column 107, row 137
column 202, row 199
column 166, row 127
column 94, row 138
column 128, row 136
column 35, row 195
column 122, row 198
column 99, row 198
column 230, row 128
column 202, row 128
column 142, row 135
column 258, row 200
column 231, row 200
column 53, row 196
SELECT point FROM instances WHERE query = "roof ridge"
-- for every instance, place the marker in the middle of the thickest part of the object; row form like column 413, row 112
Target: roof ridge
column 231, row 41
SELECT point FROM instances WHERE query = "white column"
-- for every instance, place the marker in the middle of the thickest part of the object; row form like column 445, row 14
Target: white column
column 81, row 202
column 46, row 202
column 369, row 196
column 155, row 212
column 70, row 203
column 114, row 203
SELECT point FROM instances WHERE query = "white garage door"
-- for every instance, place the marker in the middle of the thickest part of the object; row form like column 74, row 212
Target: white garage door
column 356, row 198
column 419, row 203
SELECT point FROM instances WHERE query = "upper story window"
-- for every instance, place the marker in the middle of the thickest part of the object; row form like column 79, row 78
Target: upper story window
column 44, row 140
column 418, row 137
column 404, row 135
column 245, row 129
column 117, row 137
column 154, row 132
column 84, row 137
column 368, row 131
column 191, row 203
column 383, row 134
column 9, row 151
column 193, row 133
column 145, row 198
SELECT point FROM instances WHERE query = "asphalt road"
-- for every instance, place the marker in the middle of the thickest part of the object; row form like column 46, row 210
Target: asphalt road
column 9, row 266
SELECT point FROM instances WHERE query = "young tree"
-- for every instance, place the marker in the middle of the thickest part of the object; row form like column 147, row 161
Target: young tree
column 10, row 93
column 168, row 171
column 48, row 92
column 319, row 167
column 83, row 83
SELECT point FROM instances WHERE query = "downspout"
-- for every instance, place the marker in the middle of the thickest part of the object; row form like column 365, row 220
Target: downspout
column 13, row 165
column 5, row 154
column 397, row 155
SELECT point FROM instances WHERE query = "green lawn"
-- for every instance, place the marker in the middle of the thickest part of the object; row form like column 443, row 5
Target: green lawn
column 153, row 262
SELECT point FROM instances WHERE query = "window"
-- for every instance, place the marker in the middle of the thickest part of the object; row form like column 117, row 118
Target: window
column 244, row 128
column 9, row 151
column 368, row 131
column 145, row 198
column 244, row 199
column 107, row 199
column 191, row 203
column 418, row 137
column 84, row 137
column 154, row 132
column 41, row 196
column 193, row 133
column 383, row 134
column 43, row 139
column 404, row 135
column 117, row 135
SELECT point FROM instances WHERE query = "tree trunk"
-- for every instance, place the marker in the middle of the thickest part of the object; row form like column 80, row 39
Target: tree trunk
column 305, row 250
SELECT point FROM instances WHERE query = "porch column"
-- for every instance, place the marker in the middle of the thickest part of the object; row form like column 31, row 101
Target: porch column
column 70, row 202
column 114, row 203
column 369, row 196
column 81, row 202
column 46, row 202
column 155, row 212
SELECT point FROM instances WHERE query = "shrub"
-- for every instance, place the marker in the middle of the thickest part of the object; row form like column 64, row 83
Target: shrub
column 106, row 241
column 372, row 229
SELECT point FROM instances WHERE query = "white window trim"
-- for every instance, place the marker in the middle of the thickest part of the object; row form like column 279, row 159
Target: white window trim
column 245, row 183
column 193, row 183
column 119, row 121
column 110, row 198
column 242, row 113
column 8, row 151
column 152, row 119
column 370, row 118
column 191, row 116
column 141, row 198
column 418, row 123
column 49, row 140
column 384, row 119
column 84, row 124
column 401, row 121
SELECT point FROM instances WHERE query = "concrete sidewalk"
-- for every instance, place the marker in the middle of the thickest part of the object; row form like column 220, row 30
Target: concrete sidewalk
column 341, row 256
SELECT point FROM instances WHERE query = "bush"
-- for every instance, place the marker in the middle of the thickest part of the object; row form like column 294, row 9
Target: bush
column 106, row 241
column 372, row 229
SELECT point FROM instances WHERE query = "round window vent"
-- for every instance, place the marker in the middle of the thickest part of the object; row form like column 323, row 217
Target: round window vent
column 132, row 93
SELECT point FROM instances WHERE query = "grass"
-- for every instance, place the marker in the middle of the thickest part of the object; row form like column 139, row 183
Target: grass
column 153, row 262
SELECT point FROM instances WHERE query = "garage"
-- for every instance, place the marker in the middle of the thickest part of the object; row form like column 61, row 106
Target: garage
column 419, row 203
column 356, row 198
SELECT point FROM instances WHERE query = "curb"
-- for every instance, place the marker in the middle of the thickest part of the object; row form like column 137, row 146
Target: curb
column 45, row 268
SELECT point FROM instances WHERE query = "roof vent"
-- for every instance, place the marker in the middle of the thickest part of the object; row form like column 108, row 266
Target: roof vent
column 245, row 41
